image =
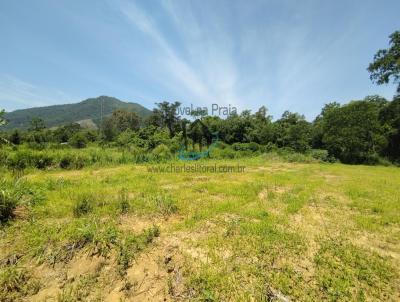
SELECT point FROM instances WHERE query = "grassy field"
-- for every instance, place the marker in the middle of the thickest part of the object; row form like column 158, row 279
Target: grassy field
column 277, row 232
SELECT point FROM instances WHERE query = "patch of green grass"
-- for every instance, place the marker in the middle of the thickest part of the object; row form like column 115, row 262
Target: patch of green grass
column 253, row 235
column 15, row 283
column 346, row 272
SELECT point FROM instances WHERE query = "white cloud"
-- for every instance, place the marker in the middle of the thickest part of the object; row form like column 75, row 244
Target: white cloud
column 203, row 71
column 16, row 93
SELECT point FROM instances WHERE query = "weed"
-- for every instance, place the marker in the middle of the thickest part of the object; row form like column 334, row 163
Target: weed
column 8, row 202
column 123, row 201
column 15, row 283
column 165, row 205
column 83, row 205
column 133, row 244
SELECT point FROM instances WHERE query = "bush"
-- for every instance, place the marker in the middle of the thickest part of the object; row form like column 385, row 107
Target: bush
column 78, row 140
column 161, row 152
column 66, row 161
column 246, row 147
column 322, row 155
column 20, row 160
column 227, row 152
column 42, row 161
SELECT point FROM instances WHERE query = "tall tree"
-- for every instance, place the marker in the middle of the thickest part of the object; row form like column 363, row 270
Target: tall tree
column 262, row 130
column 386, row 64
column 390, row 118
column 120, row 121
column 317, row 129
column 293, row 131
column 353, row 132
column 167, row 116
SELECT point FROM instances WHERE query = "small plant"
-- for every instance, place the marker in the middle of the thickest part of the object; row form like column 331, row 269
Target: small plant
column 151, row 233
column 8, row 202
column 123, row 201
column 166, row 205
column 15, row 283
column 133, row 244
column 83, row 205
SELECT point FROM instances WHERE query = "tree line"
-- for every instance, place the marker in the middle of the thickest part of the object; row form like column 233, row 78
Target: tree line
column 361, row 131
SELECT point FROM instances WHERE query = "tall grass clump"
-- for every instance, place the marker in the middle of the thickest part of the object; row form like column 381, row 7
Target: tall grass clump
column 123, row 201
column 16, row 193
column 165, row 205
column 83, row 205
column 8, row 203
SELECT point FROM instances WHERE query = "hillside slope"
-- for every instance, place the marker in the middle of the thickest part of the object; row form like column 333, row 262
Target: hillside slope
column 87, row 110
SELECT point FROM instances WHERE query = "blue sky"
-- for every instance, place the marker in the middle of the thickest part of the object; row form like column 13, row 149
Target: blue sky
column 295, row 55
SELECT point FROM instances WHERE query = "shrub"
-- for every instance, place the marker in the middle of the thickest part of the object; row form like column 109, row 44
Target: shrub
column 65, row 162
column 20, row 160
column 78, row 140
column 246, row 147
column 322, row 155
column 295, row 157
column 42, row 161
column 161, row 152
column 227, row 152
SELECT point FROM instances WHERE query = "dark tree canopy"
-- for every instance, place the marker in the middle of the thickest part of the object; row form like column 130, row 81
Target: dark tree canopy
column 386, row 64
column 166, row 115
column 390, row 118
column 352, row 132
column 120, row 121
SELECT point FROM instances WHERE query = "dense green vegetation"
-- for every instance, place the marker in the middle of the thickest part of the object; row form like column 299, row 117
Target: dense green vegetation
column 360, row 132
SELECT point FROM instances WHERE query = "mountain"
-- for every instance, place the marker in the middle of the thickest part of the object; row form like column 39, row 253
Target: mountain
column 87, row 113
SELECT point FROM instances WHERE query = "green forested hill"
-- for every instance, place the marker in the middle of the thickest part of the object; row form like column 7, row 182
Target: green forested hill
column 87, row 110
